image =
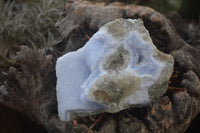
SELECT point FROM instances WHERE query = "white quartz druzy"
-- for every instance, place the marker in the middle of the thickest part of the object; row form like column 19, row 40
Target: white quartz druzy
column 118, row 68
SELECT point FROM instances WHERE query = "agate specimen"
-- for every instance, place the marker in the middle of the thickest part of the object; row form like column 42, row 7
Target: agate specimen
column 118, row 68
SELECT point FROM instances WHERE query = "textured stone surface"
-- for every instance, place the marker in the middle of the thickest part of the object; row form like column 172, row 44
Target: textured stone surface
column 118, row 68
column 160, row 115
column 191, row 83
column 129, row 124
column 110, row 126
column 187, row 57
column 29, row 87
column 162, row 32
column 189, row 30
column 91, row 16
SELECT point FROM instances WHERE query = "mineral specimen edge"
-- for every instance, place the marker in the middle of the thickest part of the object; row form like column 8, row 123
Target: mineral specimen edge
column 118, row 68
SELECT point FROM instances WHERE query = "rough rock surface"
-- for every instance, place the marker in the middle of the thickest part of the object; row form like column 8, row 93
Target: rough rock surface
column 28, row 86
column 91, row 16
column 118, row 68
column 188, row 29
column 38, row 100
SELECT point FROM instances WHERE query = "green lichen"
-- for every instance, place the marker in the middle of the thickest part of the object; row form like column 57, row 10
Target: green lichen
column 30, row 23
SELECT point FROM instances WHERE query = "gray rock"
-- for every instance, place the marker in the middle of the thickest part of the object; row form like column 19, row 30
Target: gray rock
column 187, row 57
column 191, row 83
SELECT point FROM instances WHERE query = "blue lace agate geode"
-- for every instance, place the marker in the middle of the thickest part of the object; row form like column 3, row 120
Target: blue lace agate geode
column 118, row 68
